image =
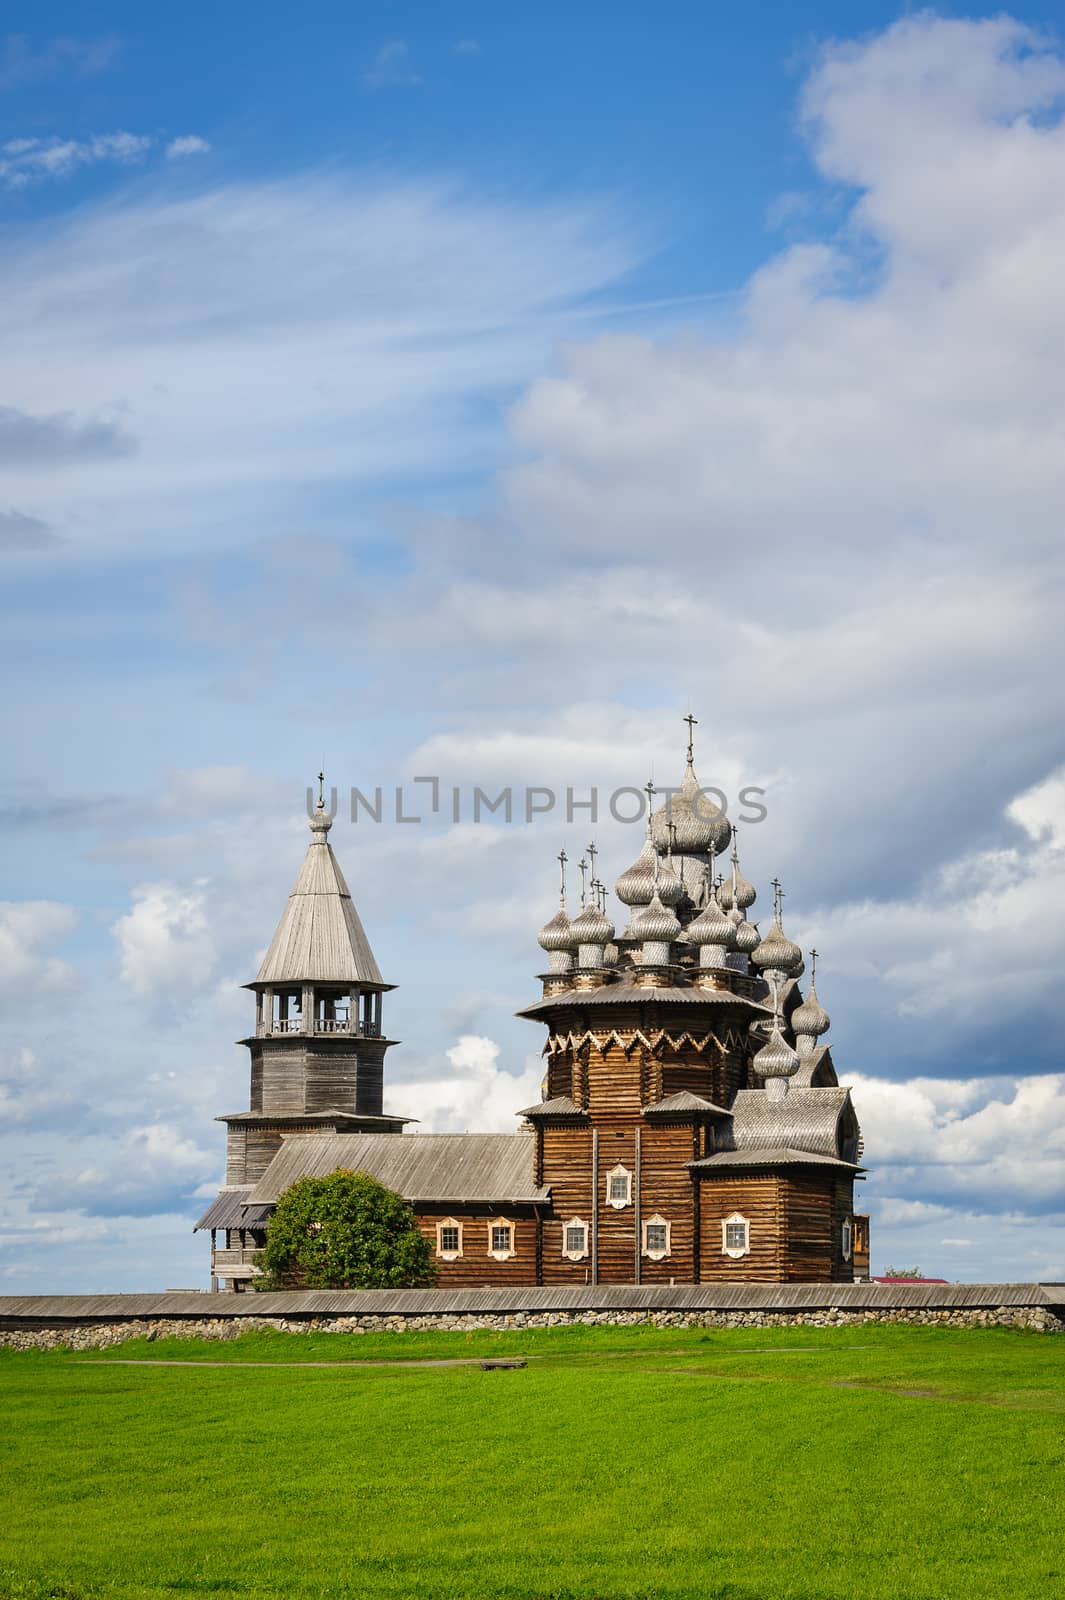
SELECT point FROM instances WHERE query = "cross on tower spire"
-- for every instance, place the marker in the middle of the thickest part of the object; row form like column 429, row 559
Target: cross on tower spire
column 562, row 859
column 693, row 723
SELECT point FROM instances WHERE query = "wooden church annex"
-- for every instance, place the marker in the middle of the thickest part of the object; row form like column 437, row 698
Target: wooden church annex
column 692, row 1128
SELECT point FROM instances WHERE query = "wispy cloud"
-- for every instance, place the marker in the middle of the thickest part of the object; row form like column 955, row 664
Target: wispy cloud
column 391, row 68
column 21, row 63
column 466, row 47
column 189, row 144
column 24, row 161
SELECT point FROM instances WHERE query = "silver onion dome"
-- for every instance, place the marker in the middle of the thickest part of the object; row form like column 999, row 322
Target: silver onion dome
column 712, row 926
column 590, row 927
column 747, row 936
column 699, row 826
column 776, row 952
column 655, row 924
column 810, row 1019
column 736, row 891
column 776, row 1058
column 556, row 934
column 636, row 886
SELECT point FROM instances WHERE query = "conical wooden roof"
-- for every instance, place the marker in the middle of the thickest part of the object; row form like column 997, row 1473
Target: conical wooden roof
column 319, row 938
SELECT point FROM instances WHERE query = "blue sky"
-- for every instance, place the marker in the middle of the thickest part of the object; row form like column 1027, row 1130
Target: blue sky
column 470, row 394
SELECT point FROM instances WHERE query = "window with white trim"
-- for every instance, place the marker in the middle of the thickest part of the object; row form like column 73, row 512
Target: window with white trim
column 619, row 1187
column 575, row 1239
column 500, row 1239
column 449, row 1239
column 847, row 1238
column 656, row 1233
column 735, row 1236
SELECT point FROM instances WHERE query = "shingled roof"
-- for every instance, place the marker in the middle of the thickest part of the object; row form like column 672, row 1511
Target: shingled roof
column 494, row 1168
column 320, row 937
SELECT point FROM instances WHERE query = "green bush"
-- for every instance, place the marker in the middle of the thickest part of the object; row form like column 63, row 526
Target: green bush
column 346, row 1231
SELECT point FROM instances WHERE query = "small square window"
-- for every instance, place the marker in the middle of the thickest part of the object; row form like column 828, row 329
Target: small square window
column 500, row 1238
column 656, row 1236
column 575, row 1237
column 735, row 1236
column 449, row 1239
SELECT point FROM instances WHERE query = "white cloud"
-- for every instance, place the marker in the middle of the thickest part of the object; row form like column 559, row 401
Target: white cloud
column 26, row 926
column 24, row 161
column 188, row 144
column 476, row 1095
column 166, row 943
column 999, row 1138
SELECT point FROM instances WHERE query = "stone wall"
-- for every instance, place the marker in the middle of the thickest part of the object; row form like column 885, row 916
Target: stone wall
column 104, row 1334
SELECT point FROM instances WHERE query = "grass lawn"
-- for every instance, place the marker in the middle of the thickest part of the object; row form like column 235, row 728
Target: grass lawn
column 756, row 1465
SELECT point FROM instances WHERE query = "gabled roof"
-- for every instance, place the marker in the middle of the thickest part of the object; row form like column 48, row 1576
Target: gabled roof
column 560, row 1106
column 452, row 1167
column 319, row 937
column 681, row 1103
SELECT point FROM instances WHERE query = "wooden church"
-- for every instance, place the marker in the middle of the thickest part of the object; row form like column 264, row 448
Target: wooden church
column 692, row 1128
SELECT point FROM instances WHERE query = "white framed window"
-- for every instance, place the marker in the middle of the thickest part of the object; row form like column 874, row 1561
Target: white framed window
column 619, row 1188
column 735, row 1236
column 575, row 1239
column 847, row 1238
column 449, row 1239
column 500, row 1239
column 656, row 1232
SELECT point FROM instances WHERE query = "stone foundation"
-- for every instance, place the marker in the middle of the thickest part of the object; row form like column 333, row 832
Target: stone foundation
column 102, row 1335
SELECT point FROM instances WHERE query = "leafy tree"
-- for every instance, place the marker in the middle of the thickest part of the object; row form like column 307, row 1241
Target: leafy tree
column 346, row 1231
column 903, row 1272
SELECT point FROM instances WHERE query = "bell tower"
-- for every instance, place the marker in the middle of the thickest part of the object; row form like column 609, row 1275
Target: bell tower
column 319, row 1045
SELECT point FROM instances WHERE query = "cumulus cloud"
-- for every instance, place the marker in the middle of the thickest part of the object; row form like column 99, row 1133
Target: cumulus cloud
column 166, row 943
column 154, row 1169
column 27, row 929
column 988, row 1142
column 474, row 1094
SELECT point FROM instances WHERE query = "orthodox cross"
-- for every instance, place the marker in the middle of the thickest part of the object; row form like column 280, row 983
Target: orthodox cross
column 813, row 968
column 693, row 723
column 592, row 853
column 582, row 868
column 562, row 859
column 778, row 897
column 649, row 790
column 321, row 791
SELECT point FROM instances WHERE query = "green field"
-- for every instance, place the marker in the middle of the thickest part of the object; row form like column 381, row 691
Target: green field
column 863, row 1463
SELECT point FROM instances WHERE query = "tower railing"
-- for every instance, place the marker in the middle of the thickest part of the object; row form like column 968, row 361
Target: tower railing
column 319, row 1025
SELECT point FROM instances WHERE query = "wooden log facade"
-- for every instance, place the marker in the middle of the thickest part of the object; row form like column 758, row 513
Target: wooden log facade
column 692, row 1128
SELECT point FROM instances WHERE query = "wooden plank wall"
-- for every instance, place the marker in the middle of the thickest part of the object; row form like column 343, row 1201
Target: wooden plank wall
column 756, row 1196
column 666, row 1188
column 567, row 1167
column 477, row 1266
